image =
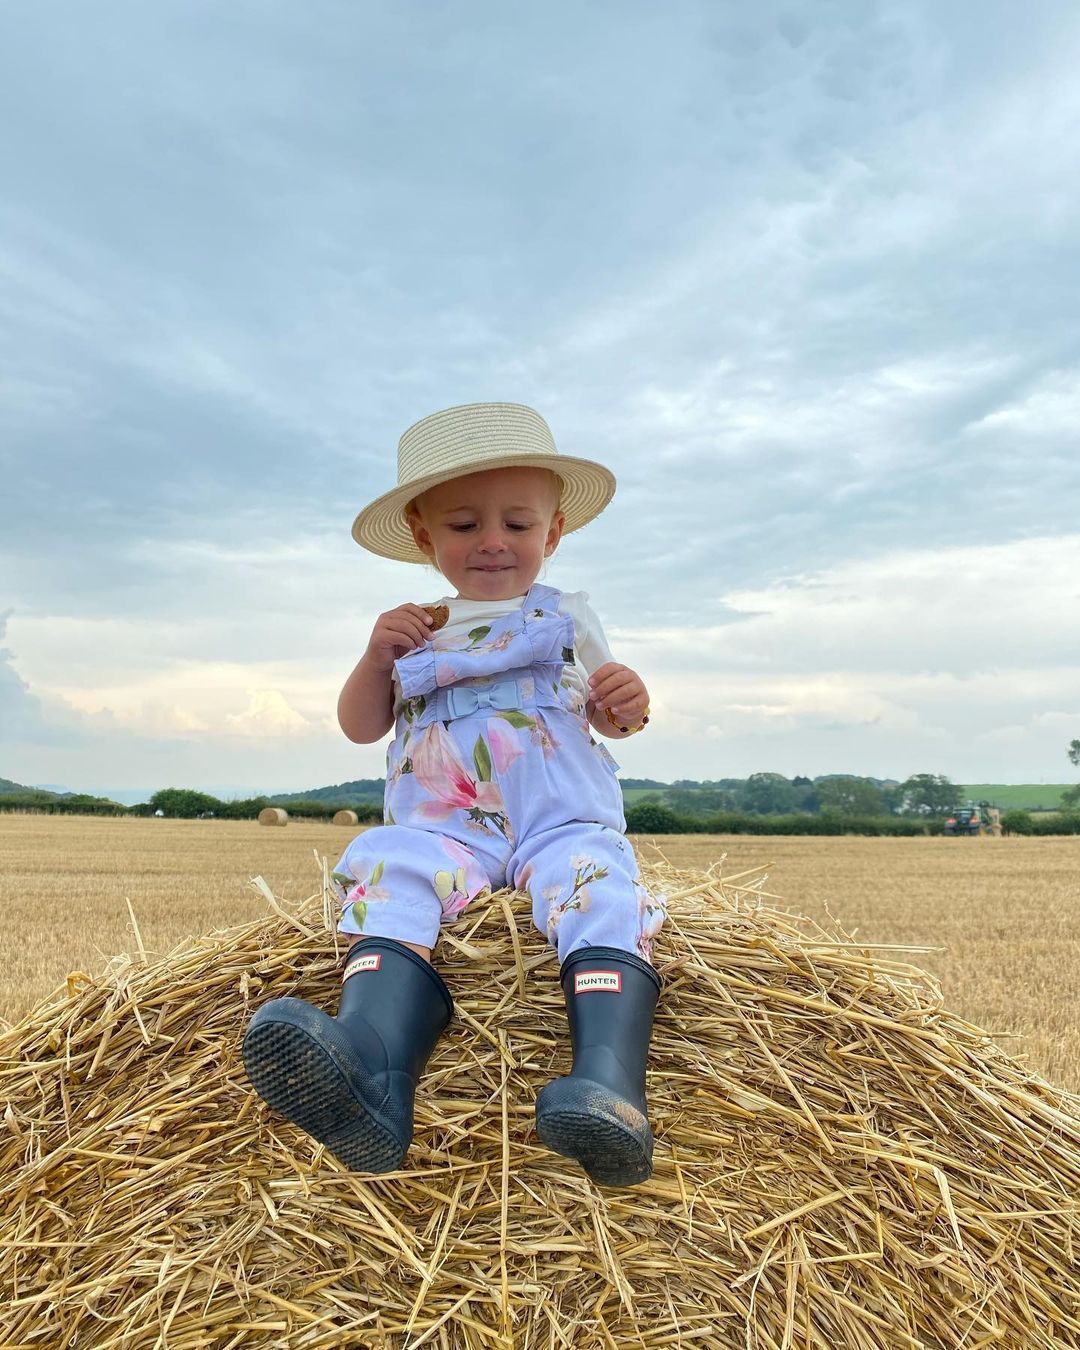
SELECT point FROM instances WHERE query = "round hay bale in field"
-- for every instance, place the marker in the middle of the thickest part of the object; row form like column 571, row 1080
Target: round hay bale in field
column 840, row 1162
column 346, row 818
column 273, row 815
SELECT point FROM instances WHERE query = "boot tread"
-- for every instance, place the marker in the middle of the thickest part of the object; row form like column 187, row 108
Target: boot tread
column 608, row 1152
column 295, row 1075
column 606, row 1134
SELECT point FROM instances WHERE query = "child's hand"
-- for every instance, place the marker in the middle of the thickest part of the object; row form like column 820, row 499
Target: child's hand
column 620, row 689
column 397, row 632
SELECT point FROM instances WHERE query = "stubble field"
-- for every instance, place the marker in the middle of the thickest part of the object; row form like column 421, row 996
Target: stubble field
column 1006, row 912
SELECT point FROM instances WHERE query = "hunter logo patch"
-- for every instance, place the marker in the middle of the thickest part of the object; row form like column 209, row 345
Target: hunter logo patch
column 598, row 981
column 361, row 963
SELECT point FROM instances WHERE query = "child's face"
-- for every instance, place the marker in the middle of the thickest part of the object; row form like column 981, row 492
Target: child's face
column 488, row 533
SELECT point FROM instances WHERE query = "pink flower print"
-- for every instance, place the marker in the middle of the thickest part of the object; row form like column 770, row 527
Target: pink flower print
column 356, row 891
column 652, row 911
column 459, row 853
column 648, row 902
column 504, row 744
column 575, row 700
column 586, row 870
column 654, row 921
column 555, row 911
column 395, row 761
column 541, row 736
column 448, row 674
column 368, row 888
column 501, row 642
column 440, row 771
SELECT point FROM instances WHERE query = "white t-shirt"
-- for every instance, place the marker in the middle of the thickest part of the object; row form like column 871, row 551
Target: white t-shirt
column 591, row 650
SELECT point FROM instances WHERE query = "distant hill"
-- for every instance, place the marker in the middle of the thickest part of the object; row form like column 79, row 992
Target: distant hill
column 18, row 797
column 343, row 794
column 8, row 787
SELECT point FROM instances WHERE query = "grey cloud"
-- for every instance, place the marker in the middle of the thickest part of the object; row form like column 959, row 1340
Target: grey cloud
column 24, row 721
column 781, row 266
column 397, row 288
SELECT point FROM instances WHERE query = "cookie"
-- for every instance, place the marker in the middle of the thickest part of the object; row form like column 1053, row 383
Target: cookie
column 439, row 615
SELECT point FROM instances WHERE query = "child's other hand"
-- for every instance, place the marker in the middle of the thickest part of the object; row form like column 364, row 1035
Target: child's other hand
column 620, row 689
column 396, row 633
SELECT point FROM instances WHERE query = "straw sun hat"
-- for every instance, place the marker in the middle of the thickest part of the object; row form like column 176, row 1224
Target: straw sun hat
column 468, row 439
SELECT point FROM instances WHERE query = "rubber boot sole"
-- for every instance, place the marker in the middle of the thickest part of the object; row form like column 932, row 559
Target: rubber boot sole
column 302, row 1064
column 606, row 1134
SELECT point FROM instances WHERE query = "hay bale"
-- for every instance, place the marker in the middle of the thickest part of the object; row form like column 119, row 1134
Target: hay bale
column 840, row 1162
column 273, row 815
column 346, row 818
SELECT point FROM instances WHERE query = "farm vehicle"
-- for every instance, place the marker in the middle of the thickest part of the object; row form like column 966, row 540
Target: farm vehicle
column 974, row 819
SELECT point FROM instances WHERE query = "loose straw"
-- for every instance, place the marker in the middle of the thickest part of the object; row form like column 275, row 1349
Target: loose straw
column 840, row 1161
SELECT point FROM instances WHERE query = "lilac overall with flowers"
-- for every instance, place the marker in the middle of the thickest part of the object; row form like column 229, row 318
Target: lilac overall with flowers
column 493, row 777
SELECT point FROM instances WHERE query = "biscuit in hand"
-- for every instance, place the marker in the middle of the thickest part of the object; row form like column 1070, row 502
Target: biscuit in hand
column 439, row 615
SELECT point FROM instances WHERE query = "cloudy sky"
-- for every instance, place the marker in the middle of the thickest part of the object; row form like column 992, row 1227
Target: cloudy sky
column 803, row 273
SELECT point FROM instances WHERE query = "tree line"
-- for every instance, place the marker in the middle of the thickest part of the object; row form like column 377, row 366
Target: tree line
column 187, row 804
column 762, row 794
column 771, row 794
column 763, row 803
column 651, row 817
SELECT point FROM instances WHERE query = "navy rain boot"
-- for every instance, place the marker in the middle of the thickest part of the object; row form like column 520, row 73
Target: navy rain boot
column 598, row 1114
column 349, row 1081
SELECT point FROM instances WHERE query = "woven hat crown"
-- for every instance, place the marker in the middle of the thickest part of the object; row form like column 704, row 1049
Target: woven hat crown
column 473, row 438
column 473, row 435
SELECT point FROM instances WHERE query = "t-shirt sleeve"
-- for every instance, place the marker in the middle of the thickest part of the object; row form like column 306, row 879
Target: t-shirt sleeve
column 591, row 648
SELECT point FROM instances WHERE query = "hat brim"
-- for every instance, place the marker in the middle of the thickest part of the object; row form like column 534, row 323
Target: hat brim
column 381, row 526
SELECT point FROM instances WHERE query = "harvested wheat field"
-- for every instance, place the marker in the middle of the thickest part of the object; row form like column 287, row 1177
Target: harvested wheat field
column 996, row 920
column 840, row 1161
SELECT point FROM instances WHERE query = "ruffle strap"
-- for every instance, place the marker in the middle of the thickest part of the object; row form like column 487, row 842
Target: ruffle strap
column 536, row 634
column 542, row 597
column 416, row 671
column 551, row 638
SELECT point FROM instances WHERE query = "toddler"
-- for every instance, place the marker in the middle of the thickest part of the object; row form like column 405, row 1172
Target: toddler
column 493, row 777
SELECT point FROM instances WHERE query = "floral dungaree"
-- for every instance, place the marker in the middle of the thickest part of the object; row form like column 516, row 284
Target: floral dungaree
column 493, row 776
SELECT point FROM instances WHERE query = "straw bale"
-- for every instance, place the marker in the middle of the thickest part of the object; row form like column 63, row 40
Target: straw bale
column 273, row 815
column 840, row 1161
column 346, row 818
